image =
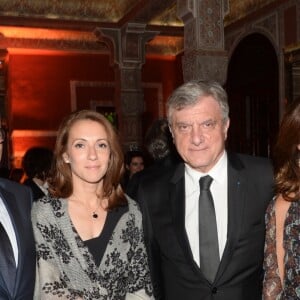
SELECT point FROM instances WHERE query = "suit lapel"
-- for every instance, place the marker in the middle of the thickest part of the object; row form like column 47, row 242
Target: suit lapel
column 16, row 219
column 236, row 203
column 177, row 196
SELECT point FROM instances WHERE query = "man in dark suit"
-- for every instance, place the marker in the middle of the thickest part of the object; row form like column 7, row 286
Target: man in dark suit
column 17, row 249
column 204, row 218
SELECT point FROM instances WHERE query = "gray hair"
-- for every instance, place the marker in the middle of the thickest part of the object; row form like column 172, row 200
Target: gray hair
column 191, row 92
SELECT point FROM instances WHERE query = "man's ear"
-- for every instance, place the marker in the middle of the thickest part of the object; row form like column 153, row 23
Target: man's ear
column 171, row 131
column 226, row 127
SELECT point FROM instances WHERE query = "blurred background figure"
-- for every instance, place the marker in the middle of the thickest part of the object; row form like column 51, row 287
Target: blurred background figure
column 134, row 162
column 16, row 174
column 159, row 143
column 161, row 149
column 36, row 164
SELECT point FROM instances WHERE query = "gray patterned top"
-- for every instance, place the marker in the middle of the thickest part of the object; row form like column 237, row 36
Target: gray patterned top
column 66, row 269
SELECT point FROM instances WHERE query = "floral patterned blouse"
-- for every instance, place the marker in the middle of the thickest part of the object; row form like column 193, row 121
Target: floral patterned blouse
column 273, row 289
column 66, row 269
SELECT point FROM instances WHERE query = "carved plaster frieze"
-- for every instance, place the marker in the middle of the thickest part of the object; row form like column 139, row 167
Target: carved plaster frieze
column 203, row 25
column 200, row 36
column 231, row 38
column 92, row 10
column 53, row 44
column 270, row 25
column 211, row 23
column 186, row 10
column 239, row 9
column 197, row 66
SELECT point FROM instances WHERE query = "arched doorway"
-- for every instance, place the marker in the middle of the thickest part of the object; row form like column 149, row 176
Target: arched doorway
column 252, row 86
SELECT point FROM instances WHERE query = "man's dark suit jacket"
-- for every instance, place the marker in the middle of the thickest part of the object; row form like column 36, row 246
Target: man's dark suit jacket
column 175, row 274
column 18, row 200
column 155, row 169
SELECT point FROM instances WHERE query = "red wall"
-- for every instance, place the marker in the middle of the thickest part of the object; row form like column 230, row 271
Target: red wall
column 290, row 23
column 39, row 93
column 40, row 86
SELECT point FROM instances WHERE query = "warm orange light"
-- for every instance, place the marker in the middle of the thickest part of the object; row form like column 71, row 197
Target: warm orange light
column 26, row 51
column 22, row 140
column 166, row 45
column 50, row 34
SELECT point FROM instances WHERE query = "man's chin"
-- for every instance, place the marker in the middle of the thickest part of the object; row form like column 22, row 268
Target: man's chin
column 200, row 166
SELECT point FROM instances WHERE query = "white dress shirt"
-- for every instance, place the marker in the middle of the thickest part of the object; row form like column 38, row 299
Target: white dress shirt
column 219, row 192
column 8, row 226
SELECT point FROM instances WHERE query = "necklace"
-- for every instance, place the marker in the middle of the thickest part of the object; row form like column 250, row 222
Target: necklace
column 94, row 214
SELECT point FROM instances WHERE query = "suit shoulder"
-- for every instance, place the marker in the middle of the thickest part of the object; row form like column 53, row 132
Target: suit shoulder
column 19, row 191
column 250, row 161
column 257, row 169
column 13, row 186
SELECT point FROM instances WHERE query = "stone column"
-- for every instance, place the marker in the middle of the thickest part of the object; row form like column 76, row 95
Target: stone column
column 129, row 56
column 204, row 51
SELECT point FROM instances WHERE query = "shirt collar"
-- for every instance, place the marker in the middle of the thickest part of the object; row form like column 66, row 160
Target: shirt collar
column 218, row 172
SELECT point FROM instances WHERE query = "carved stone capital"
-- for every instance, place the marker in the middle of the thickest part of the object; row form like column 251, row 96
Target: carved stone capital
column 129, row 43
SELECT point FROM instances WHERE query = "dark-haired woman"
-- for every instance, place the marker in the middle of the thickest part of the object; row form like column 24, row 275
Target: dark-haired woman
column 282, row 247
column 89, row 236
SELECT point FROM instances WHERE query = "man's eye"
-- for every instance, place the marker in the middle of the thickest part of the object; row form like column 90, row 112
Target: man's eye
column 209, row 124
column 183, row 127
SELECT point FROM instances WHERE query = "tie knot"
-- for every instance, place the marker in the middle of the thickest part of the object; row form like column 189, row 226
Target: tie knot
column 205, row 182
